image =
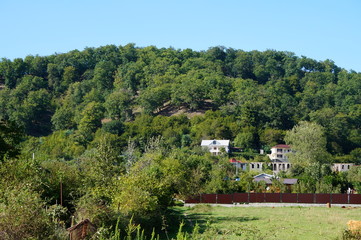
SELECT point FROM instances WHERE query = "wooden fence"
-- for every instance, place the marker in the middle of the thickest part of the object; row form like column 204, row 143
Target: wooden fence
column 318, row 198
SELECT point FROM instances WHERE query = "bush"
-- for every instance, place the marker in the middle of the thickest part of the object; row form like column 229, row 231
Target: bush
column 23, row 215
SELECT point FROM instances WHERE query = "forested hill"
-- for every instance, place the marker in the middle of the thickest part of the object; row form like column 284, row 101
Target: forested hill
column 112, row 134
column 137, row 93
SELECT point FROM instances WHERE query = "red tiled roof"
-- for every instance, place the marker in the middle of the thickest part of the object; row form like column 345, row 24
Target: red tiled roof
column 233, row 160
column 282, row 146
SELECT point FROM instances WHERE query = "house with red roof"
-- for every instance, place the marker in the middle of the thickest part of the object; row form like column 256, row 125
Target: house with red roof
column 279, row 153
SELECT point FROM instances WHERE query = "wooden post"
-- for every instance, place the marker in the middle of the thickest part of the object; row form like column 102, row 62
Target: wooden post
column 61, row 193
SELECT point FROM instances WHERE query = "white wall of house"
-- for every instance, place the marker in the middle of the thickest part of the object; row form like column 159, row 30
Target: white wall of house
column 280, row 166
column 341, row 167
column 256, row 166
column 279, row 153
column 216, row 147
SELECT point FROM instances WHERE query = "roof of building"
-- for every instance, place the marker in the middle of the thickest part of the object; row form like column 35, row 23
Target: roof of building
column 80, row 224
column 282, row 146
column 344, row 164
column 290, row 181
column 263, row 175
column 287, row 181
column 233, row 160
column 215, row 143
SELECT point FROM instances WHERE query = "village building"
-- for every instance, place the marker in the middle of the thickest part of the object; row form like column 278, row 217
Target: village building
column 279, row 153
column 341, row 167
column 238, row 164
column 216, row 147
column 267, row 178
column 82, row 230
column 256, row 166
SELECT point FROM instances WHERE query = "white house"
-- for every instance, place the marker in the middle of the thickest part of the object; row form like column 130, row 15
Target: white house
column 279, row 153
column 341, row 167
column 215, row 146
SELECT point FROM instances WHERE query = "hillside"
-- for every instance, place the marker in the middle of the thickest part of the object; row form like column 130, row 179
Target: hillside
column 113, row 134
column 261, row 90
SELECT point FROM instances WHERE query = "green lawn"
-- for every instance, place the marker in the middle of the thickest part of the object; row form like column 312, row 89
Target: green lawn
column 269, row 223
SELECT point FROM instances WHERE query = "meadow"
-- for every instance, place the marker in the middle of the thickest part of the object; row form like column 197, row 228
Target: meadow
column 291, row 223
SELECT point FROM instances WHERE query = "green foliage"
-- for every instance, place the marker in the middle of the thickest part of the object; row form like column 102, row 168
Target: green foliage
column 23, row 215
column 308, row 143
column 10, row 138
column 90, row 121
column 118, row 105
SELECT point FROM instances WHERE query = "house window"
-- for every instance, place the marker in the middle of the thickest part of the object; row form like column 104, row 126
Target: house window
column 214, row 148
column 279, row 155
column 348, row 166
column 252, row 165
column 257, row 165
column 279, row 150
column 342, row 166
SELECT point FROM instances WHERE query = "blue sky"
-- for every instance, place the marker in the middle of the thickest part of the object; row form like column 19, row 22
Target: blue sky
column 318, row 29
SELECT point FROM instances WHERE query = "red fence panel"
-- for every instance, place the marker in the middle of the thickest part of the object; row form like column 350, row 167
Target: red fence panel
column 339, row 198
column 240, row 197
column 209, row 198
column 305, row 198
column 355, row 198
column 272, row 197
column 276, row 197
column 256, row 197
column 225, row 198
column 323, row 198
column 289, row 197
column 195, row 199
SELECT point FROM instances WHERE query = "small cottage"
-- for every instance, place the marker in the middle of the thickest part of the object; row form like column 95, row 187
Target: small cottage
column 81, row 230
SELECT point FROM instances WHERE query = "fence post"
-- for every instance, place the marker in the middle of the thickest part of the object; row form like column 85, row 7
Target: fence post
column 280, row 197
column 248, row 197
column 217, row 198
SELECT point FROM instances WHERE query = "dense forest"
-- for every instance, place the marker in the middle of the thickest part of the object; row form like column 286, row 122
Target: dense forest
column 113, row 133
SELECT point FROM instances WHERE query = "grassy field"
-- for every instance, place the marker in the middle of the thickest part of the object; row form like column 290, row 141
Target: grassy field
column 284, row 223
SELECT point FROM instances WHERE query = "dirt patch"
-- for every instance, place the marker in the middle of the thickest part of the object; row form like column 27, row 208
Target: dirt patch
column 106, row 120
column 171, row 110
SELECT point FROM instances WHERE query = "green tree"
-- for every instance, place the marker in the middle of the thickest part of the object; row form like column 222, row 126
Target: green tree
column 308, row 143
column 152, row 99
column 118, row 105
column 91, row 120
column 23, row 215
column 10, row 138
column 104, row 75
column 354, row 176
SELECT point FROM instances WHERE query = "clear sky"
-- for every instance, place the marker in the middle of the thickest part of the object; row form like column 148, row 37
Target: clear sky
column 318, row 29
